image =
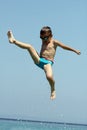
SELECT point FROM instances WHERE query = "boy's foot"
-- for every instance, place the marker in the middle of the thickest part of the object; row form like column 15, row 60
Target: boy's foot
column 53, row 95
column 10, row 37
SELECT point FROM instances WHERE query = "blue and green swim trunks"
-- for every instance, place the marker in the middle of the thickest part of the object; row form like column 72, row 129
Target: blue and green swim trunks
column 43, row 62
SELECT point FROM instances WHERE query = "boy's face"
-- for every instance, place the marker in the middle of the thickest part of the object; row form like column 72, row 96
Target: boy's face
column 45, row 37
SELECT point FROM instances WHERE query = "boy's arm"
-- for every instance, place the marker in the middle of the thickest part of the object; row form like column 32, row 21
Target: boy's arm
column 60, row 44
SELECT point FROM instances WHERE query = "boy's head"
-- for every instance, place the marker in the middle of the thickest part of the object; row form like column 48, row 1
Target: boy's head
column 45, row 33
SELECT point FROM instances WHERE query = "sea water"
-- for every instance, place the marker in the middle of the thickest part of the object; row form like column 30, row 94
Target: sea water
column 29, row 125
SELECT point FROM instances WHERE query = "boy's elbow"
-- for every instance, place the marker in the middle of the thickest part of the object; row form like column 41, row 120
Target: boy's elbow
column 63, row 47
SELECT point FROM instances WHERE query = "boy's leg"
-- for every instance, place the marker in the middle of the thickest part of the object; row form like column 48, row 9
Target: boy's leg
column 49, row 76
column 30, row 49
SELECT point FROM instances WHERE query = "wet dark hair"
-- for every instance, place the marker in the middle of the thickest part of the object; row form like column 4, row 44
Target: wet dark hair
column 46, row 29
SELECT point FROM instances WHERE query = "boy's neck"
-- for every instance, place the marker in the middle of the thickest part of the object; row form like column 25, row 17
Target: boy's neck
column 47, row 42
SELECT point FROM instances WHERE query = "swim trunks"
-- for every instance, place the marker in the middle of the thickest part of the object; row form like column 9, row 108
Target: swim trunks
column 43, row 62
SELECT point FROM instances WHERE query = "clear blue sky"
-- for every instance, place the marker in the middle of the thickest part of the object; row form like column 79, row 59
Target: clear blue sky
column 24, row 90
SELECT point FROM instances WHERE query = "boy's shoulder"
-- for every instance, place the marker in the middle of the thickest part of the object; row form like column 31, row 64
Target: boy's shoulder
column 54, row 41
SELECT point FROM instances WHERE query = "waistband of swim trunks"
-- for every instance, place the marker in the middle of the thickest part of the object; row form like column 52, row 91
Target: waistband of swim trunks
column 47, row 59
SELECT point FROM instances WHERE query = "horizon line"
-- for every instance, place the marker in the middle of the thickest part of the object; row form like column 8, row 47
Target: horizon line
column 38, row 121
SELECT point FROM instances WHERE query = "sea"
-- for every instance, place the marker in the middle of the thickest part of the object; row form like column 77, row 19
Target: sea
column 14, row 124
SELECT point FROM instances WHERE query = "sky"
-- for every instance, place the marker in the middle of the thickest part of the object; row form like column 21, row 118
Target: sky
column 24, row 90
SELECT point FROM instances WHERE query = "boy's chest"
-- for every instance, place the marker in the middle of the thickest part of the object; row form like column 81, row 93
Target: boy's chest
column 47, row 46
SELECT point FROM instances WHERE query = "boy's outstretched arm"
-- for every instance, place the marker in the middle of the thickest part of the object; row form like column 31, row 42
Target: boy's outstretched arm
column 67, row 47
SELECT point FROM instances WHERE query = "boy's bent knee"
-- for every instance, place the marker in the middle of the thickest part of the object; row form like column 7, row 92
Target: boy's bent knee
column 49, row 77
column 29, row 47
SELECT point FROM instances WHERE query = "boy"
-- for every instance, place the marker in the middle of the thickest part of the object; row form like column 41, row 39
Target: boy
column 47, row 53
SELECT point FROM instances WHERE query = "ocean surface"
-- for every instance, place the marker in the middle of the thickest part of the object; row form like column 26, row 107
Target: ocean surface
column 37, row 125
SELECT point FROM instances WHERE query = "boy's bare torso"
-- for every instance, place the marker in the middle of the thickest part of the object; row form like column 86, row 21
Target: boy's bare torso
column 48, row 50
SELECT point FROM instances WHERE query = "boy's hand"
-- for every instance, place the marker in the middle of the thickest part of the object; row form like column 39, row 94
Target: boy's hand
column 78, row 52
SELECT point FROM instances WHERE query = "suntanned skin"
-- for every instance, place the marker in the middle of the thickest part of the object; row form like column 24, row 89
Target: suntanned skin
column 48, row 50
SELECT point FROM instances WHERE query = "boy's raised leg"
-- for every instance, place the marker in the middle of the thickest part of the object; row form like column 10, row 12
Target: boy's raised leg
column 22, row 45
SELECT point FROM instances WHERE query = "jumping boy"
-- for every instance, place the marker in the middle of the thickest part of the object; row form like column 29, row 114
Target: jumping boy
column 46, row 58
